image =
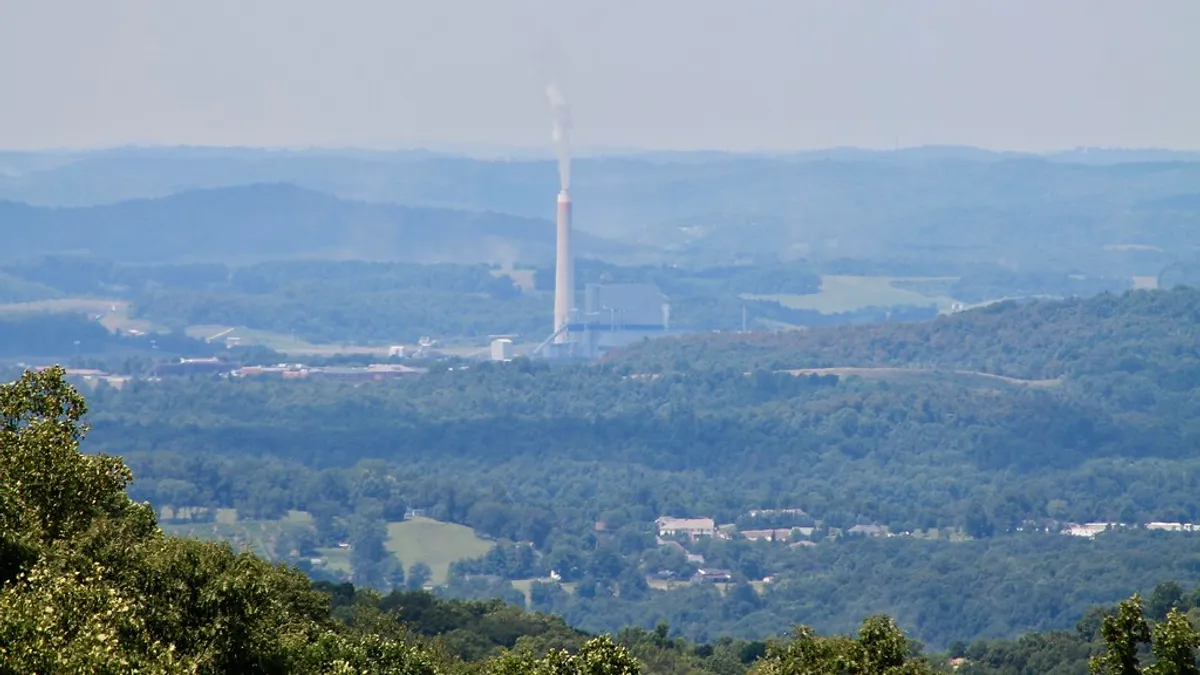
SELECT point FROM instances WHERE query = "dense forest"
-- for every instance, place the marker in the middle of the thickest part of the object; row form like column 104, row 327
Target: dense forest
column 88, row 583
column 975, row 439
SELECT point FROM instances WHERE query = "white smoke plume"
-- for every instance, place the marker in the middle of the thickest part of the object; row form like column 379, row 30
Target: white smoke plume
column 505, row 253
column 561, row 134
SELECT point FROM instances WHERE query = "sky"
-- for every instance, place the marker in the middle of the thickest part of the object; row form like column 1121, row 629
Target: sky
column 774, row 75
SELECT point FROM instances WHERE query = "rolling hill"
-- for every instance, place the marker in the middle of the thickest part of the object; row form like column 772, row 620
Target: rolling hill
column 277, row 221
column 1098, row 212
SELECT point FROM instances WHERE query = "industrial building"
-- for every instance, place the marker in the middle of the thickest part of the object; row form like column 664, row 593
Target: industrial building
column 613, row 315
column 370, row 373
column 618, row 315
column 502, row 349
column 191, row 367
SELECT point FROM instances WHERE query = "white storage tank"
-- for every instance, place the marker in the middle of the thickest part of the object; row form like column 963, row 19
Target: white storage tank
column 502, row 349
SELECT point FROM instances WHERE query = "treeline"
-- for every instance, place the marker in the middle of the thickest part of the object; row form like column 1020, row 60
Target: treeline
column 356, row 301
column 322, row 313
column 89, row 275
column 75, row 334
column 370, row 302
column 1153, row 636
column 1062, row 446
column 942, row 591
column 984, row 285
column 1136, row 333
column 794, row 278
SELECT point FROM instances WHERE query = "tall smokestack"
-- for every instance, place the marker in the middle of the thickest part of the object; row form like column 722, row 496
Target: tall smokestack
column 564, row 265
column 564, row 269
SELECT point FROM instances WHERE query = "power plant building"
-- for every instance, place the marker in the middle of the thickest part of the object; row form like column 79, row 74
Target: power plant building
column 629, row 308
column 502, row 349
column 613, row 315
column 618, row 315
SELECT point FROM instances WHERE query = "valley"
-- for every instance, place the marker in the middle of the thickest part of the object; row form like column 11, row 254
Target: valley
column 980, row 450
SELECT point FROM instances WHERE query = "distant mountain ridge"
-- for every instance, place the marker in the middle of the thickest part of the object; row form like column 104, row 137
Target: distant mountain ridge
column 1074, row 212
column 277, row 221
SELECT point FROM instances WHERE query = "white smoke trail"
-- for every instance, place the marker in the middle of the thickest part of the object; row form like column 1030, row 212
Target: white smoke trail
column 561, row 134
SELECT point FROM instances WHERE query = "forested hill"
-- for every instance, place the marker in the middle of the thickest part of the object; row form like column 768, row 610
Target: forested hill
column 90, row 584
column 274, row 221
column 1138, row 334
column 963, row 466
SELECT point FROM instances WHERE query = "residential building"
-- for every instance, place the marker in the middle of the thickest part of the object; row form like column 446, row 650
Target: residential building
column 778, row 534
column 1088, row 530
column 687, row 527
column 869, row 531
column 1173, row 527
column 712, row 576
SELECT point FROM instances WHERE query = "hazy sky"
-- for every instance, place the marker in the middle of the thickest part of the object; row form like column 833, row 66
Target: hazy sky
column 779, row 74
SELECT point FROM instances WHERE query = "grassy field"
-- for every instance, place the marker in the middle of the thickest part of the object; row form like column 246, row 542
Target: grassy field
column 114, row 314
column 434, row 543
column 336, row 559
column 259, row 536
column 280, row 342
column 841, row 293
column 526, row 586
column 424, row 540
column 292, row 345
column 664, row 585
column 89, row 305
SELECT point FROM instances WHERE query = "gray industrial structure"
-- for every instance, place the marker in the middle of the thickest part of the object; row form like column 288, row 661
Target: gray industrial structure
column 617, row 315
column 613, row 316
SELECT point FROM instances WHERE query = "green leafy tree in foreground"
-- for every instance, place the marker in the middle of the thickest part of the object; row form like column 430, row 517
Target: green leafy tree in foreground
column 1123, row 632
column 1126, row 632
column 880, row 649
column 88, row 583
column 1175, row 643
column 598, row 656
